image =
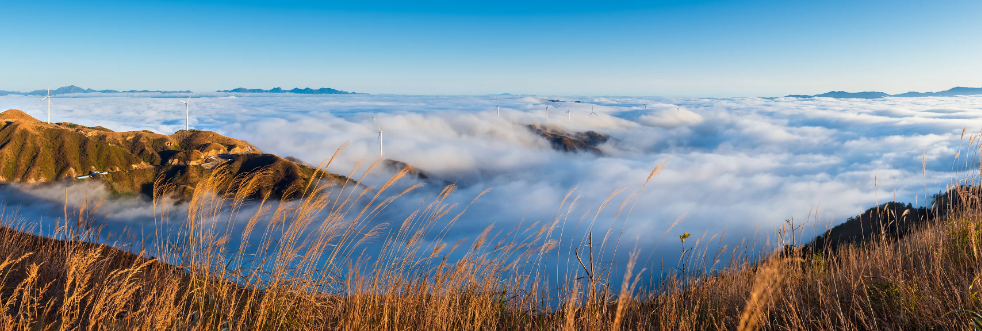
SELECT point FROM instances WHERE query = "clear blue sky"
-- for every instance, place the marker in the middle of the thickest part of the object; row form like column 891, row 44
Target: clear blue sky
column 667, row 48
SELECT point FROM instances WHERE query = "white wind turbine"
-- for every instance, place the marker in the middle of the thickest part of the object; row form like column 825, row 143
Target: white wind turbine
column 496, row 111
column 379, row 137
column 547, row 113
column 187, row 113
column 48, row 97
column 569, row 118
column 593, row 112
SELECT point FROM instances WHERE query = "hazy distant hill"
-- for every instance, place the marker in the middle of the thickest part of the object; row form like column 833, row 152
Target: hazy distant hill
column 307, row 90
column 68, row 90
column 956, row 91
column 844, row 95
column 32, row 151
column 75, row 89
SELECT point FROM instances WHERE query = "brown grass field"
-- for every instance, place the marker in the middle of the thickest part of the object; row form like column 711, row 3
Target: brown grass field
column 321, row 280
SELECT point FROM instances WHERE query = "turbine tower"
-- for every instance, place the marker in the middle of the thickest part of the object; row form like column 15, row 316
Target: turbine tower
column 497, row 110
column 380, row 141
column 48, row 97
column 569, row 118
column 187, row 113
column 379, row 137
column 593, row 112
column 547, row 113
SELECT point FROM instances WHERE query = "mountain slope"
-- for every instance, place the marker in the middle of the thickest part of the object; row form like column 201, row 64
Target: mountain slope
column 32, row 151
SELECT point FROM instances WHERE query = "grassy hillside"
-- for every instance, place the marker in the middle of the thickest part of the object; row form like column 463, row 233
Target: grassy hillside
column 32, row 151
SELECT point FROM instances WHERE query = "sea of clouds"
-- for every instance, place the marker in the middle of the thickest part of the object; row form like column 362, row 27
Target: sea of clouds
column 739, row 165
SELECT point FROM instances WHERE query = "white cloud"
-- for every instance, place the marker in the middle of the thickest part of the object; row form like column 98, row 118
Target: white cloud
column 670, row 118
column 734, row 163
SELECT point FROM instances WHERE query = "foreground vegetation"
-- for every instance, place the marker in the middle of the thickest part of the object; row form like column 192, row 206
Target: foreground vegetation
column 294, row 278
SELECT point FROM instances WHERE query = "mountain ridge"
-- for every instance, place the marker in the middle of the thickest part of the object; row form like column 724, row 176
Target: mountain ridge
column 952, row 92
column 72, row 89
column 131, row 162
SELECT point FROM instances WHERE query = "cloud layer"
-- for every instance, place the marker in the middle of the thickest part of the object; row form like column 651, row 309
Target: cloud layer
column 736, row 163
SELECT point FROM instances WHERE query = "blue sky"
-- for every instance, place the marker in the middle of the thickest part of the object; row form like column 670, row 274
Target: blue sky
column 665, row 48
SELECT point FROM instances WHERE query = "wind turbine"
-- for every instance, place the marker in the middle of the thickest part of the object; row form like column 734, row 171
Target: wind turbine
column 547, row 113
column 497, row 111
column 569, row 117
column 645, row 106
column 379, row 136
column 187, row 113
column 48, row 97
column 593, row 112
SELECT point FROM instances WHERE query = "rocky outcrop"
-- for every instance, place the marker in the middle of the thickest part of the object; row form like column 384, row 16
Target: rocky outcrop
column 396, row 166
column 562, row 140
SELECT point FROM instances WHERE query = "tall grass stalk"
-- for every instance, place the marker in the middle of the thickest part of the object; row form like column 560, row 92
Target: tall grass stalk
column 303, row 265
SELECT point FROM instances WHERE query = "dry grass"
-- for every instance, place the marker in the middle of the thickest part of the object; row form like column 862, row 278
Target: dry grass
column 306, row 270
